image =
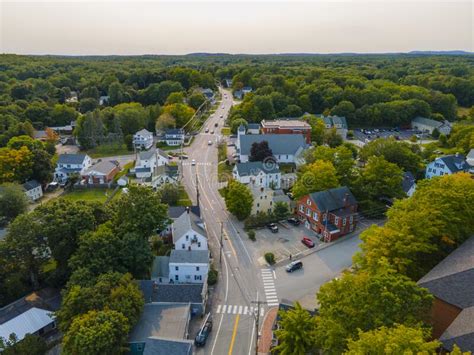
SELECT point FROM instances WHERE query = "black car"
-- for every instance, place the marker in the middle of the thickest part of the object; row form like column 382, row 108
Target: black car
column 293, row 221
column 293, row 266
column 203, row 334
column 273, row 227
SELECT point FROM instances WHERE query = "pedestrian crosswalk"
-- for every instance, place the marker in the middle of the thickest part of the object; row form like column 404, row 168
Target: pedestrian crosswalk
column 238, row 309
column 269, row 287
column 197, row 163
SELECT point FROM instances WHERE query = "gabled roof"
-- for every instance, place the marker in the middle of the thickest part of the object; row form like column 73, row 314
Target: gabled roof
column 427, row 122
column 452, row 280
column 286, row 123
column 408, row 181
column 255, row 167
column 253, row 126
column 279, row 143
column 189, row 256
column 333, row 199
column 186, row 222
column 146, row 154
column 174, row 131
column 171, row 293
column 28, row 322
column 470, row 155
column 460, row 332
column 176, row 211
column 144, row 133
column 103, row 167
column 339, row 120
column 30, row 185
column 71, row 158
column 160, row 267
column 455, row 162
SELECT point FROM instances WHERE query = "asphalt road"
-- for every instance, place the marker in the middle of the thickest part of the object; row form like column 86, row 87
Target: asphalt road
column 239, row 283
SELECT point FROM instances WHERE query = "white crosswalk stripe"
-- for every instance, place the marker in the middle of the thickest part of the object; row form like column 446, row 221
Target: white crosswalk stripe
column 269, row 287
column 243, row 310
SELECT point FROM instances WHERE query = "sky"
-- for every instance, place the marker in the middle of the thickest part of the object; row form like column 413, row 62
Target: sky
column 118, row 27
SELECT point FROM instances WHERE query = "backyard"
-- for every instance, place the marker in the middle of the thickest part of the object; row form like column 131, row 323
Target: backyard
column 89, row 194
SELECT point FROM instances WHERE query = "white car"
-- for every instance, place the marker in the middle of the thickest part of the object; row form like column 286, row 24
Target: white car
column 209, row 143
column 212, row 132
column 207, row 130
column 193, row 162
column 221, row 116
column 223, row 107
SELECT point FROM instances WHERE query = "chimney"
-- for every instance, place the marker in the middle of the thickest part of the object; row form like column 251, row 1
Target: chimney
column 346, row 200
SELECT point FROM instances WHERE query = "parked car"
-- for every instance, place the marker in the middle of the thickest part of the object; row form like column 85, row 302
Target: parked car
column 308, row 242
column 212, row 132
column 216, row 124
column 294, row 265
column 207, row 130
column 209, row 143
column 273, row 227
column 183, row 157
column 193, row 162
column 293, row 221
column 221, row 116
column 203, row 334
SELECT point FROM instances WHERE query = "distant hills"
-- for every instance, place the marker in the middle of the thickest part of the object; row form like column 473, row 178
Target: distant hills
column 452, row 52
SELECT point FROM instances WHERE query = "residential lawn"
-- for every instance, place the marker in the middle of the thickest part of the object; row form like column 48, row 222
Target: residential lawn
column 92, row 194
column 183, row 197
column 164, row 146
column 225, row 131
column 224, row 172
column 108, row 150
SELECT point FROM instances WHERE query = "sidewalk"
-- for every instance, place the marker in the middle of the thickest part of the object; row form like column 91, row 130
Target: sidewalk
column 266, row 337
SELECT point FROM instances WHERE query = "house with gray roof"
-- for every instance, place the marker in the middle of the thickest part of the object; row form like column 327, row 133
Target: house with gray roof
column 189, row 232
column 427, row 125
column 160, row 329
column 286, row 148
column 188, row 266
column 33, row 190
column 70, row 164
column 452, row 284
column 408, row 183
column 470, row 160
column 103, row 172
column 174, row 137
column 447, row 165
column 258, row 173
column 253, row 128
column 148, row 161
column 143, row 139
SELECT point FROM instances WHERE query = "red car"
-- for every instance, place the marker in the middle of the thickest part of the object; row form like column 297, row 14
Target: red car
column 308, row 242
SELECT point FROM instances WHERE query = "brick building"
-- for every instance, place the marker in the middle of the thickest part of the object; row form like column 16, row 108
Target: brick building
column 331, row 213
column 287, row 127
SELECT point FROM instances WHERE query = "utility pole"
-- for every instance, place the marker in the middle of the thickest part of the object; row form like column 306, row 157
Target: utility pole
column 222, row 232
column 257, row 322
column 197, row 189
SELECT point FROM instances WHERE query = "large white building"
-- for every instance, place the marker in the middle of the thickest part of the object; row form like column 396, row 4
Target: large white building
column 188, row 266
column 143, row 139
column 189, row 232
column 428, row 125
column 174, row 137
column 286, row 148
column 148, row 161
column 70, row 164
column 446, row 165
column 258, row 173
column 33, row 190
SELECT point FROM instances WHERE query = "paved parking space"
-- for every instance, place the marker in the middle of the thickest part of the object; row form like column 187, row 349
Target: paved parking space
column 371, row 134
column 284, row 243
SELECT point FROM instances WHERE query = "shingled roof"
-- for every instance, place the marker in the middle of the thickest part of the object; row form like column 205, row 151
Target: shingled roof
column 186, row 222
column 71, row 158
column 279, row 143
column 333, row 199
column 254, row 168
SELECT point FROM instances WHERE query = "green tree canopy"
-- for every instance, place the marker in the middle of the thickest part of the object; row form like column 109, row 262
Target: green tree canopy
column 318, row 176
column 13, row 201
column 238, row 199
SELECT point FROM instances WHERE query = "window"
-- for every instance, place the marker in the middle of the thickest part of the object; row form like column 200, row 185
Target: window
column 176, row 268
column 301, row 208
column 351, row 219
column 197, row 268
column 315, row 216
column 258, row 205
column 187, row 237
column 199, row 244
column 344, row 221
column 308, row 212
column 308, row 202
column 271, row 203
column 325, row 216
column 336, row 220
column 183, row 246
column 197, row 278
column 176, row 277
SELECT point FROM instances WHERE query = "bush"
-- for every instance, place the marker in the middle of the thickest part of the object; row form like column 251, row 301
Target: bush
column 212, row 276
column 270, row 258
column 259, row 220
column 350, row 134
column 251, row 234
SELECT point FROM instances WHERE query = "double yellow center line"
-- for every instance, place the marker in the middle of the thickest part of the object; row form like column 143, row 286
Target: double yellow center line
column 234, row 333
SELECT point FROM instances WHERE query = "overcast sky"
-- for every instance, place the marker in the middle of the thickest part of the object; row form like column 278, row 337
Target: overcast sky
column 84, row 27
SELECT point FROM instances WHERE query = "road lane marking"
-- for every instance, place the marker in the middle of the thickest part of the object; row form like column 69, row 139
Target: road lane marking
column 235, row 310
column 240, row 309
column 272, row 304
column 245, row 310
column 224, row 308
column 269, row 293
column 219, row 308
column 234, row 333
column 262, row 312
column 229, row 310
column 274, row 274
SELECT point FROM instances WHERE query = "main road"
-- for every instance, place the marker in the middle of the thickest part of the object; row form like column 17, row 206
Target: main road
column 239, row 287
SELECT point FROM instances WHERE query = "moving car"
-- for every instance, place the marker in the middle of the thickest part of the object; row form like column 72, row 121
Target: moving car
column 207, row 130
column 221, row 116
column 294, row 265
column 293, row 221
column 193, row 162
column 183, row 157
column 216, row 124
column 209, row 143
column 212, row 132
column 308, row 242
column 273, row 227
column 204, row 332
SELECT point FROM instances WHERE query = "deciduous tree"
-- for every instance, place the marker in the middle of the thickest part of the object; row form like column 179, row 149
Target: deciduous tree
column 238, row 200
column 318, row 176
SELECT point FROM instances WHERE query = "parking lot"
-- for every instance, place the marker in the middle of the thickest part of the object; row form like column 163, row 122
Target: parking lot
column 366, row 135
column 286, row 242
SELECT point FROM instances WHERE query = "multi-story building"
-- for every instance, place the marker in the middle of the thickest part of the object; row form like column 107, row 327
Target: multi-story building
column 258, row 173
column 143, row 139
column 287, row 127
column 174, row 137
column 331, row 213
column 148, row 161
column 70, row 164
column 101, row 173
column 446, row 165
column 189, row 232
column 188, row 266
column 428, row 125
column 33, row 190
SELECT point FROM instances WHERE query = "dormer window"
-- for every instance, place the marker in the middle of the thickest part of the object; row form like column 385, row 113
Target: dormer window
column 308, row 202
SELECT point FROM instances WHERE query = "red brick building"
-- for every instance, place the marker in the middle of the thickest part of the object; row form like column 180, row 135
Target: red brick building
column 287, row 127
column 332, row 213
column 101, row 173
